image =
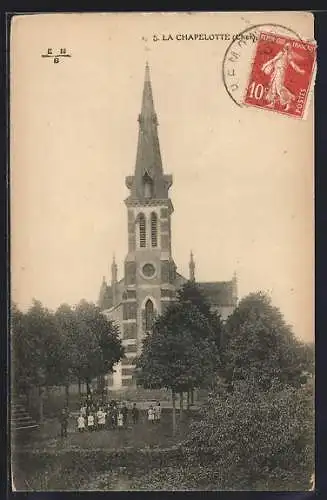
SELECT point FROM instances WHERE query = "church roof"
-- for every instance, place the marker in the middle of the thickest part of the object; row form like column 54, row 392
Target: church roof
column 218, row 293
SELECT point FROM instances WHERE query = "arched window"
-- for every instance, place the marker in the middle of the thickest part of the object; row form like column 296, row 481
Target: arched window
column 154, row 229
column 149, row 314
column 142, row 230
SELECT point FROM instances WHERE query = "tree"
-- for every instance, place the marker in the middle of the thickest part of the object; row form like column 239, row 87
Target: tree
column 68, row 332
column 42, row 329
column 50, row 349
column 259, row 345
column 254, row 439
column 307, row 358
column 94, row 342
column 22, row 370
column 36, row 353
column 179, row 353
column 257, row 429
column 191, row 292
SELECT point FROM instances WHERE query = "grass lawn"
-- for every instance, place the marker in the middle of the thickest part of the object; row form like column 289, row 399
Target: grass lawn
column 45, row 461
column 139, row 435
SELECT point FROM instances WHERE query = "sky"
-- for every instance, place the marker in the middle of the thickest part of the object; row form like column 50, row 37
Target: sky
column 242, row 177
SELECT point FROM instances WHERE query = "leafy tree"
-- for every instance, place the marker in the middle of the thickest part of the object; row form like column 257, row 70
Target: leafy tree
column 179, row 353
column 307, row 357
column 51, row 349
column 68, row 332
column 95, row 343
column 36, row 353
column 42, row 330
column 191, row 292
column 246, row 440
column 259, row 345
column 257, row 439
column 22, row 371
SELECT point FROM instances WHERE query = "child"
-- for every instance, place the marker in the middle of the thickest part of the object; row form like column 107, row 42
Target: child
column 151, row 414
column 81, row 423
column 120, row 420
column 101, row 416
column 157, row 410
column 90, row 422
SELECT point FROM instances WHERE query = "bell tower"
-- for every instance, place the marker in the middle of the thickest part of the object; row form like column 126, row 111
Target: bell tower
column 149, row 268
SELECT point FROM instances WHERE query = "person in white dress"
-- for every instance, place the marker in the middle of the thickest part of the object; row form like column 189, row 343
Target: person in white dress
column 81, row 423
column 90, row 422
column 101, row 417
column 151, row 414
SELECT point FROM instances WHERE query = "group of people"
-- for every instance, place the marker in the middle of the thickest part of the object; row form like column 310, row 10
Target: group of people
column 105, row 416
column 94, row 416
column 154, row 413
column 112, row 415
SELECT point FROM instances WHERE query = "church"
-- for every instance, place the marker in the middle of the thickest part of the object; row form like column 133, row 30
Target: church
column 151, row 278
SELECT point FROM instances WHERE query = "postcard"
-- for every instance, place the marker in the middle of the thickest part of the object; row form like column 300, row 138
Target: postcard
column 162, row 251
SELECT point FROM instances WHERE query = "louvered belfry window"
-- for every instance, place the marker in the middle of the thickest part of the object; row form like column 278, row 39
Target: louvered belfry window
column 154, row 229
column 142, row 231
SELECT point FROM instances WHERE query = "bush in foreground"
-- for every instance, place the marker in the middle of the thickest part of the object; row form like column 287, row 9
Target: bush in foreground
column 246, row 440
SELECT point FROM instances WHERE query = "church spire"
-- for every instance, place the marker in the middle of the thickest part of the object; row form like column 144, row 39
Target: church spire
column 148, row 181
column 114, row 270
column 192, row 267
column 148, row 157
column 147, row 110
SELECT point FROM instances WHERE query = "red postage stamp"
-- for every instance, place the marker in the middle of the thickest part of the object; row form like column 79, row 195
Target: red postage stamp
column 281, row 75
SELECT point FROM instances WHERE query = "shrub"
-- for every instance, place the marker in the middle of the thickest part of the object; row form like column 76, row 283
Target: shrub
column 256, row 439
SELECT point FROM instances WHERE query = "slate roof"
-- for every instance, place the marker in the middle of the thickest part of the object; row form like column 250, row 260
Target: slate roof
column 218, row 293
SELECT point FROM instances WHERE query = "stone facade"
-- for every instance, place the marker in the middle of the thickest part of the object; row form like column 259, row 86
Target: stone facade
column 150, row 277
